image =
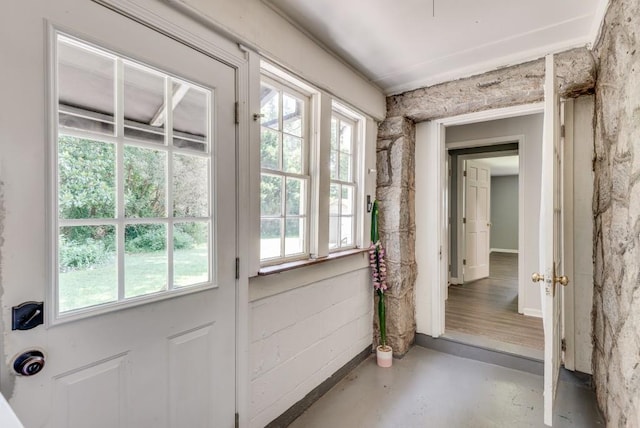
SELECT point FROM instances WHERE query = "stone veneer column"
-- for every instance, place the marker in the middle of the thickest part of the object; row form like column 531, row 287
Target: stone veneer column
column 396, row 196
column 616, row 313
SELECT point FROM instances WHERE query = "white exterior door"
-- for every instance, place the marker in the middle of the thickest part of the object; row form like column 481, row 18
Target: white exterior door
column 140, row 312
column 477, row 205
column 551, row 245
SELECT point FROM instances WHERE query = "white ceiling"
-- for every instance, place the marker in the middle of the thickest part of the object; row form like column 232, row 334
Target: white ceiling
column 407, row 44
column 503, row 165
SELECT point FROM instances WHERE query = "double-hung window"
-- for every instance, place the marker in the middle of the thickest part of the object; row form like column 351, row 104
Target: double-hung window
column 343, row 188
column 311, row 172
column 284, row 178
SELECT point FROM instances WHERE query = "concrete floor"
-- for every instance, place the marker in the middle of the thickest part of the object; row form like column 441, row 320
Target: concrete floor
column 432, row 389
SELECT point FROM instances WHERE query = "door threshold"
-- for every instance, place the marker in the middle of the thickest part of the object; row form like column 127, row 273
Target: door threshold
column 494, row 345
column 478, row 352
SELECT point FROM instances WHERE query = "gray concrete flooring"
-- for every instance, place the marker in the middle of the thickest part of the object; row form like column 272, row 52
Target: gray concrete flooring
column 432, row 389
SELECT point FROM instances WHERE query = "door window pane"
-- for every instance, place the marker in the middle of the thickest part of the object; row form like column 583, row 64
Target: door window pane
column 191, row 114
column 87, row 273
column 145, row 186
column 86, row 82
column 145, row 261
column 190, row 186
column 86, row 178
column 190, row 253
column 144, row 104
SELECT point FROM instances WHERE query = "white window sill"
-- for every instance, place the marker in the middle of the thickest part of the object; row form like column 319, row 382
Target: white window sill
column 272, row 280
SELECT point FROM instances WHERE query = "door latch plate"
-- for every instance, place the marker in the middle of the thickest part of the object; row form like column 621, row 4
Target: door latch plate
column 27, row 315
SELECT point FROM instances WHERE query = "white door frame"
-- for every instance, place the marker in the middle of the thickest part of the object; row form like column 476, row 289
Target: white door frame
column 432, row 255
column 169, row 19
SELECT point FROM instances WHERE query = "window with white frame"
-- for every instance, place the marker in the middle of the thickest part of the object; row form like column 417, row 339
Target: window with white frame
column 311, row 171
column 132, row 179
column 284, row 166
column 343, row 188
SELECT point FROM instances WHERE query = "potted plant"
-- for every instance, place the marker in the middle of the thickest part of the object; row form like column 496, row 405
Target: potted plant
column 384, row 353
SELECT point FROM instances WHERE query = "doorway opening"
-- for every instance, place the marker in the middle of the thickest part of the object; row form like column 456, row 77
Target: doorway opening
column 487, row 302
column 482, row 299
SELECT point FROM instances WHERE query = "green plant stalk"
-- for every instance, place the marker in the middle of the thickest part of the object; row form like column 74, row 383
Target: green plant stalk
column 382, row 315
column 382, row 318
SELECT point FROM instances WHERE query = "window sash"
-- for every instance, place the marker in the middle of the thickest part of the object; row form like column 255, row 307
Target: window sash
column 278, row 169
column 354, row 168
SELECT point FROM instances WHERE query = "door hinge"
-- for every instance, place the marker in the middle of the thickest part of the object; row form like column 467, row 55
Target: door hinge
column 237, row 267
column 237, row 420
column 237, row 112
column 563, row 345
column 464, row 220
column 464, row 174
column 562, row 131
column 464, row 262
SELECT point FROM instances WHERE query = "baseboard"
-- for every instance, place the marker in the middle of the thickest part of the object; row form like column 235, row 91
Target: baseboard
column 499, row 358
column 532, row 313
column 503, row 250
column 293, row 412
column 454, row 281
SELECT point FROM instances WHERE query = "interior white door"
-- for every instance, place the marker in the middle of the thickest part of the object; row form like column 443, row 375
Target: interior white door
column 551, row 239
column 476, row 220
column 131, row 359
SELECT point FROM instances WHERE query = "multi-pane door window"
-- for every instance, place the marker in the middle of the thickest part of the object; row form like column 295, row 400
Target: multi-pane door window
column 342, row 210
column 285, row 177
column 133, row 155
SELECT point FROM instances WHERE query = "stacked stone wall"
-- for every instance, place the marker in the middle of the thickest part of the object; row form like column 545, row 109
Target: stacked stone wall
column 616, row 313
column 396, row 195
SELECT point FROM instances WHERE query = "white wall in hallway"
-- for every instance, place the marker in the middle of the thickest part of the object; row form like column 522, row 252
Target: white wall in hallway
column 301, row 337
column 504, row 212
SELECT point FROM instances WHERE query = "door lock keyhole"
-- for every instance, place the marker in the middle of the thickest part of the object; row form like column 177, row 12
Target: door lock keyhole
column 28, row 363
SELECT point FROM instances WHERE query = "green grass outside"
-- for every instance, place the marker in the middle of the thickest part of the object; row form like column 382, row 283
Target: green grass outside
column 144, row 273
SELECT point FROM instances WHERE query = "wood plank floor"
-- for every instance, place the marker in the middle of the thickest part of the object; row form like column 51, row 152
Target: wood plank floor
column 489, row 307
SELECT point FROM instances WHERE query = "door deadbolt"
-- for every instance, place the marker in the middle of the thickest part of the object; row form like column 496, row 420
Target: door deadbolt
column 28, row 363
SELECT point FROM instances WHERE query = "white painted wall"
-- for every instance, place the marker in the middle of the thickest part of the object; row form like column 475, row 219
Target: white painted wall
column 531, row 127
column 254, row 23
column 583, row 231
column 504, row 212
column 301, row 337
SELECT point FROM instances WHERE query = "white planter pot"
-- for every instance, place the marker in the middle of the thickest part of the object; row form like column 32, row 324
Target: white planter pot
column 384, row 356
